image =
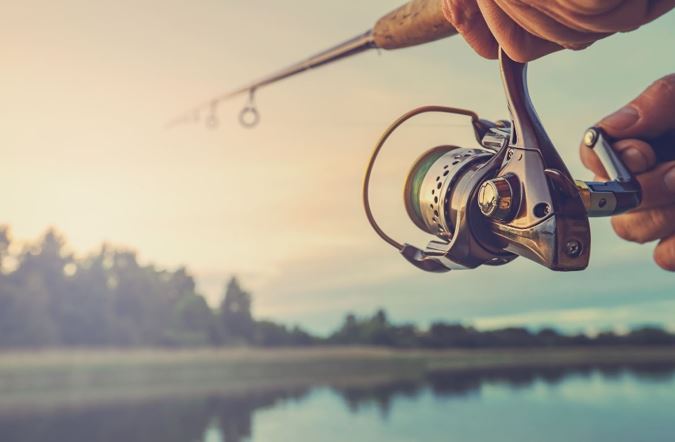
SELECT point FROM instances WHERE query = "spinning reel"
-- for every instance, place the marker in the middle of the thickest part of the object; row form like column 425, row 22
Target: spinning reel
column 510, row 197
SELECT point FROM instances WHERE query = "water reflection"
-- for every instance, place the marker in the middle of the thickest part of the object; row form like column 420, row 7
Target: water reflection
column 187, row 420
column 465, row 383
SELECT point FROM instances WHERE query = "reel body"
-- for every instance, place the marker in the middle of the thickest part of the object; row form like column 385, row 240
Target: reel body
column 511, row 196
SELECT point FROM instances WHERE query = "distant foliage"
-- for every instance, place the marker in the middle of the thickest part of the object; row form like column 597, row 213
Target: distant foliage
column 377, row 330
column 235, row 313
column 50, row 298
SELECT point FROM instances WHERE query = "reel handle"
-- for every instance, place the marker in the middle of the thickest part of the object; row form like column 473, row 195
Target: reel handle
column 621, row 193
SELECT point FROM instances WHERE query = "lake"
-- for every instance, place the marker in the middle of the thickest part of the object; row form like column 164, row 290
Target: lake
column 582, row 403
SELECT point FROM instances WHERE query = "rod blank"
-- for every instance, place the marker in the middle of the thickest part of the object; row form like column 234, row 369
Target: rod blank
column 416, row 22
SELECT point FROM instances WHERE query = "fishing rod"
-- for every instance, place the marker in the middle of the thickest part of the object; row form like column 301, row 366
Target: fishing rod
column 509, row 196
column 414, row 23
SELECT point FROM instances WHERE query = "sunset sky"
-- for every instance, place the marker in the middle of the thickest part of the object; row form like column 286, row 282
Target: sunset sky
column 87, row 88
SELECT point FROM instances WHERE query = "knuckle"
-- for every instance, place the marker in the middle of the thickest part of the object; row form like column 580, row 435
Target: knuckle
column 462, row 15
column 669, row 80
column 577, row 46
column 665, row 265
column 622, row 228
column 640, row 227
column 516, row 52
column 653, row 222
column 664, row 88
column 664, row 256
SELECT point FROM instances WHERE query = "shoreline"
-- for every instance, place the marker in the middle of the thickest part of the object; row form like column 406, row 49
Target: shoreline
column 57, row 379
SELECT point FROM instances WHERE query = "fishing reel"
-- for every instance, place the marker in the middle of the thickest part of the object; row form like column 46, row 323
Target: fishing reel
column 511, row 196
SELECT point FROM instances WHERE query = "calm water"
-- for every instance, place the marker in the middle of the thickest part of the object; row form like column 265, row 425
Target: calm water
column 573, row 404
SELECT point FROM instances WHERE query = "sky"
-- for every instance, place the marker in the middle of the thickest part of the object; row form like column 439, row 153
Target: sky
column 87, row 87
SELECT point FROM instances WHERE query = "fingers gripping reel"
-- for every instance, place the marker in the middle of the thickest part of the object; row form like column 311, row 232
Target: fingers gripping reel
column 512, row 196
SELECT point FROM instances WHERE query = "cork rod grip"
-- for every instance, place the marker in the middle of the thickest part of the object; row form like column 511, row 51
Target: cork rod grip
column 416, row 22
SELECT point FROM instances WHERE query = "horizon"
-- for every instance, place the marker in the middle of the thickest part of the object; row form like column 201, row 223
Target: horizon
column 279, row 206
column 529, row 321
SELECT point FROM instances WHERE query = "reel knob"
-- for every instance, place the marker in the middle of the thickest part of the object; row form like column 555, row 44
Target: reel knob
column 496, row 199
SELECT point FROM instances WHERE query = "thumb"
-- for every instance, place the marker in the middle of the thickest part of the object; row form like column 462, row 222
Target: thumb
column 648, row 116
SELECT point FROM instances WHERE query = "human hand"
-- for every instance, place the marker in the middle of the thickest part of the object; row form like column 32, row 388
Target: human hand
column 648, row 118
column 532, row 29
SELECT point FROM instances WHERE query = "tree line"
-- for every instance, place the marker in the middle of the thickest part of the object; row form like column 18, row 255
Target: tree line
column 377, row 330
column 51, row 298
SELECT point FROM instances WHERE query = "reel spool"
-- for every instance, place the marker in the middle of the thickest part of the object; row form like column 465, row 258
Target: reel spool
column 429, row 187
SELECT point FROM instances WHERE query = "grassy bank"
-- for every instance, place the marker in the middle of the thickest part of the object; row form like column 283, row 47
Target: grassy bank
column 63, row 378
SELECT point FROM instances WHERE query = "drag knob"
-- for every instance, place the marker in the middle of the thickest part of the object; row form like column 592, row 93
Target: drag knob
column 496, row 199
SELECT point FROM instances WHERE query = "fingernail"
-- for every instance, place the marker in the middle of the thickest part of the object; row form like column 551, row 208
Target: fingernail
column 634, row 160
column 621, row 119
column 669, row 178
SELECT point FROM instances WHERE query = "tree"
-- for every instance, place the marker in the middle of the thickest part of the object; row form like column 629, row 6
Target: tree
column 193, row 323
column 50, row 297
column 376, row 330
column 5, row 242
column 235, row 313
column 29, row 295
